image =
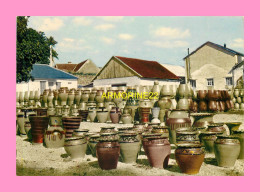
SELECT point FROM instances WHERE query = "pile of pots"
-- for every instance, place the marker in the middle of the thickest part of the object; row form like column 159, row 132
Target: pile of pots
column 238, row 98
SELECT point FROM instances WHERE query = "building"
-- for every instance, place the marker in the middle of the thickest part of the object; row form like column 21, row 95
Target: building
column 47, row 77
column 123, row 71
column 209, row 65
column 85, row 70
column 237, row 72
column 177, row 70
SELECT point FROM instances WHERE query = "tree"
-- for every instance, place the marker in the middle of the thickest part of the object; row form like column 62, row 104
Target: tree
column 31, row 47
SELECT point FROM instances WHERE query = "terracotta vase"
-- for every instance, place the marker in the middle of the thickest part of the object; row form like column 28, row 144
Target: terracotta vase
column 158, row 151
column 187, row 137
column 226, row 149
column 203, row 106
column 102, row 115
column 240, row 135
column 108, row 154
column 76, row 147
column 129, row 147
column 70, row 124
column 144, row 139
column 126, row 119
column 39, row 125
column 177, row 119
column 189, row 157
column 92, row 143
column 115, row 114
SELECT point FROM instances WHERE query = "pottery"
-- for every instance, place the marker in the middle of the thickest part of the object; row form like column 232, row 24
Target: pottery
column 124, row 130
column 155, row 113
column 240, row 135
column 177, row 119
column 115, row 114
column 144, row 140
column 63, row 96
column 189, row 157
column 117, row 97
column 132, row 101
column 236, row 93
column 70, row 124
column 212, row 95
column 85, row 96
column 55, row 120
column 183, row 104
column 83, row 114
column 41, row 111
column 203, row 106
column 183, row 91
column 212, row 106
column 144, row 113
column 208, row 139
column 233, row 126
column 166, row 90
column 77, row 99
column 102, row 115
column 92, row 95
column 109, row 136
column 76, row 147
column 174, row 104
column 162, row 115
column 28, row 131
column 92, row 115
column 129, row 147
column 241, row 106
column 217, row 127
column 20, row 123
column 108, row 154
column 39, row 124
column 202, row 119
column 158, row 151
column 226, row 149
column 107, row 129
column 92, row 143
column 165, row 102
column 156, row 88
column 74, row 110
column 126, row 118
column 54, row 137
column 99, row 96
column 80, row 132
column 162, row 130
column 202, row 95
column 187, row 137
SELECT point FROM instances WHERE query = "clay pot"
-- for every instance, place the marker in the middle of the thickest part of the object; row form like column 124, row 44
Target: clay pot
column 183, row 91
column 92, row 95
column 239, row 100
column 118, row 97
column 122, row 130
column 144, row 139
column 108, row 129
column 183, row 104
column 166, row 90
column 146, row 103
column 177, row 119
column 102, row 115
column 202, row 119
column 78, row 95
column 83, row 114
column 226, row 149
column 129, row 147
column 156, row 88
column 212, row 106
column 54, row 137
column 63, row 96
column 144, row 114
column 163, row 130
column 85, row 96
column 99, row 96
column 212, row 95
column 108, row 154
column 76, row 147
column 241, row 106
column 233, row 126
column 80, row 132
column 165, row 102
column 92, row 115
column 202, row 95
column 41, row 111
column 217, row 127
column 203, row 107
column 240, row 135
column 155, row 113
column 237, row 106
column 115, row 114
column 28, row 130
column 174, row 104
column 126, row 119
column 187, row 137
column 92, row 143
column 20, row 123
column 222, row 106
column 158, row 151
column 208, row 139
column 70, row 124
column 39, row 125
column 189, row 157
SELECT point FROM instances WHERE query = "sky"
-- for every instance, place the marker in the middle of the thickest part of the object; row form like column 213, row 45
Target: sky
column 158, row 38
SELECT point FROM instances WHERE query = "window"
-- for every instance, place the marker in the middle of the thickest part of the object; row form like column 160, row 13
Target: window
column 210, row 82
column 229, row 81
column 193, row 83
column 50, row 84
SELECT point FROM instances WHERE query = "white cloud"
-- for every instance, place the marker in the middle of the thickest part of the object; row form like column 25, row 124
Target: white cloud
column 238, row 43
column 125, row 51
column 104, row 27
column 107, row 40
column 50, row 24
column 166, row 44
column 82, row 21
column 70, row 44
column 171, row 33
column 112, row 18
column 125, row 36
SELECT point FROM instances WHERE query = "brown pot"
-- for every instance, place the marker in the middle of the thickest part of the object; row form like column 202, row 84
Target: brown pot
column 203, row 107
column 158, row 151
column 222, row 106
column 83, row 114
column 164, row 130
column 144, row 139
column 212, row 95
column 212, row 106
column 202, row 95
column 39, row 124
column 70, row 124
column 41, row 111
column 108, row 154
column 189, row 157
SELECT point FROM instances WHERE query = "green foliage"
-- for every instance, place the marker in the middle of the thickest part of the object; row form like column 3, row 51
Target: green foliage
column 31, row 47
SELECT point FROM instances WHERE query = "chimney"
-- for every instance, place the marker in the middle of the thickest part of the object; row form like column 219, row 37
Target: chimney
column 225, row 45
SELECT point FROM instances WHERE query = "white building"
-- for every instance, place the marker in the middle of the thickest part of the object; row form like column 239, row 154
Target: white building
column 237, row 72
column 47, row 77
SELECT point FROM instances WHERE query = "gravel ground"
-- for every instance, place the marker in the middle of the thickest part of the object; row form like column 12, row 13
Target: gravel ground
column 36, row 160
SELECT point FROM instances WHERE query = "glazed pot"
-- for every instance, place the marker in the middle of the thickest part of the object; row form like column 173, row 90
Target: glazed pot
column 109, row 136
column 187, row 137
column 92, row 115
column 115, row 114
column 144, row 114
column 183, row 104
column 129, row 147
column 163, row 130
column 39, row 125
column 126, row 119
column 108, row 153
column 240, row 135
column 177, row 119
column 102, row 115
column 217, row 127
column 158, row 151
column 183, row 91
column 92, row 143
column 76, row 147
column 80, row 132
column 108, row 129
column 208, row 139
column 189, row 157
column 54, row 137
column 165, row 102
column 202, row 95
column 226, row 149
column 233, row 126
column 241, row 93
column 83, row 114
column 70, row 124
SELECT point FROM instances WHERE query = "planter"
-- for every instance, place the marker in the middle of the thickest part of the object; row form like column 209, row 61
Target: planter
column 108, row 154
column 39, row 125
column 226, row 149
column 189, row 157
column 240, row 135
column 76, row 147
column 70, row 124
column 129, row 147
column 158, row 151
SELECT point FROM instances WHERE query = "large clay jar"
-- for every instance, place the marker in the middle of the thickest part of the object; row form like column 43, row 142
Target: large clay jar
column 203, row 107
column 226, row 149
column 99, row 96
column 183, row 104
column 202, row 95
column 70, row 124
column 71, row 97
column 144, row 139
column 54, row 136
column 92, row 114
column 108, row 154
column 92, row 143
column 39, row 125
column 187, row 137
column 240, row 135
column 177, row 119
column 115, row 114
column 126, row 119
column 76, row 147
column 183, row 91
column 63, row 96
column 165, row 102
column 189, row 157
column 102, row 115
column 158, row 151
column 129, row 147
column 163, row 130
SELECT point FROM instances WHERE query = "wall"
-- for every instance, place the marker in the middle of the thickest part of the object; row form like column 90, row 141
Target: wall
column 88, row 67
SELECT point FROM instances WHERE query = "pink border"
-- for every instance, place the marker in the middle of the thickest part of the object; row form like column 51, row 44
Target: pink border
column 11, row 9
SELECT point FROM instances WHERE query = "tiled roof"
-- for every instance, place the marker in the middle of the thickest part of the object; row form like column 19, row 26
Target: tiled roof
column 78, row 66
column 67, row 67
column 217, row 46
column 44, row 71
column 148, row 69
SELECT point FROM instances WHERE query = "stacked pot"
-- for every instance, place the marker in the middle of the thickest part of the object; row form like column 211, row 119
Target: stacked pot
column 238, row 99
